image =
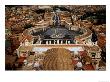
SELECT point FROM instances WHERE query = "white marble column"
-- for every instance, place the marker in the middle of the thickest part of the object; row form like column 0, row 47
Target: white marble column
column 46, row 42
column 54, row 41
column 49, row 41
column 61, row 42
column 66, row 41
column 57, row 41
column 69, row 42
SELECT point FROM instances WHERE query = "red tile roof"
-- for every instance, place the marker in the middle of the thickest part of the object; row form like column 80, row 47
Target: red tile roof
column 24, row 37
column 88, row 67
column 83, row 53
column 74, row 62
column 21, row 59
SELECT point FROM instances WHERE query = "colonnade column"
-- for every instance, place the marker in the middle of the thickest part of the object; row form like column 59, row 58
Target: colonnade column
column 49, row 41
column 46, row 42
column 57, row 41
column 66, row 41
column 54, row 41
column 61, row 42
column 69, row 42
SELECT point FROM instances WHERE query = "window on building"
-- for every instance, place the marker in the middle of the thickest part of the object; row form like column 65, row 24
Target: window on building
column 93, row 54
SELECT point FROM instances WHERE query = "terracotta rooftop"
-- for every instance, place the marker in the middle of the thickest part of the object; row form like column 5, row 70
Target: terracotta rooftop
column 92, row 48
column 88, row 67
column 22, row 38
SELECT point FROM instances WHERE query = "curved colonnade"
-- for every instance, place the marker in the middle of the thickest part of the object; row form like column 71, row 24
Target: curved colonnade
column 44, row 25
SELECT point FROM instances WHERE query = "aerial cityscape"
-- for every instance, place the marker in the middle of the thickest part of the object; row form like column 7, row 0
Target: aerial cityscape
column 55, row 37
